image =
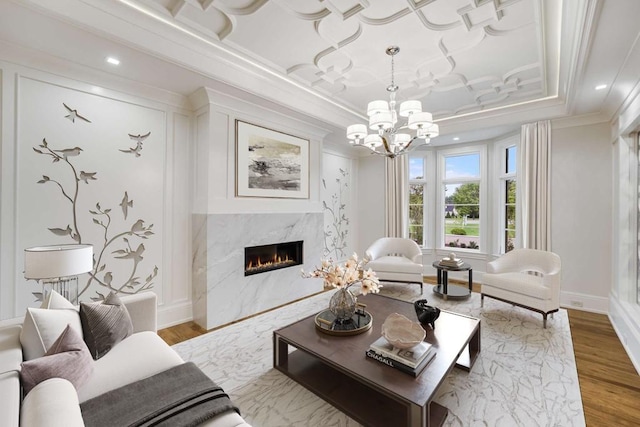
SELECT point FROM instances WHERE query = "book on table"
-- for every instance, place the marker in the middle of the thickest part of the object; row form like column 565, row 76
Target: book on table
column 410, row 357
column 414, row 371
column 451, row 263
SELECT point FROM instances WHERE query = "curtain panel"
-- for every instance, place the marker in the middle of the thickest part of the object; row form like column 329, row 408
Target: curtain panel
column 396, row 196
column 534, row 177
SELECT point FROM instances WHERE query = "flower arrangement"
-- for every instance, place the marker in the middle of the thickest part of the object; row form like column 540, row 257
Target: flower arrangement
column 347, row 275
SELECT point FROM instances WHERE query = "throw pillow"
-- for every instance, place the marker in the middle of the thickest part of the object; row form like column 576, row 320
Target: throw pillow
column 41, row 327
column 54, row 301
column 68, row 358
column 105, row 324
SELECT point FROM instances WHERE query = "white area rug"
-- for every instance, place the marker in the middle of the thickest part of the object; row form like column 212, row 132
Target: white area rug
column 525, row 375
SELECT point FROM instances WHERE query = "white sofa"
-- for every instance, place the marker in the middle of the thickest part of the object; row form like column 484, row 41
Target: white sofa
column 509, row 279
column 55, row 402
column 395, row 259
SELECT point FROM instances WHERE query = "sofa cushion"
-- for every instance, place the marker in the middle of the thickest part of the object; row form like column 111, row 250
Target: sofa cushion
column 9, row 398
column 68, row 358
column 137, row 357
column 105, row 324
column 42, row 327
column 395, row 264
column 521, row 283
column 52, row 403
column 10, row 348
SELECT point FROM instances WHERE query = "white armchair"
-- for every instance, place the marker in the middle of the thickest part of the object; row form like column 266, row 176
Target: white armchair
column 396, row 259
column 508, row 279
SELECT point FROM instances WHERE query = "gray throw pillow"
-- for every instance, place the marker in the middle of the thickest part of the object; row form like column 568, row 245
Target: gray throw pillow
column 68, row 358
column 105, row 324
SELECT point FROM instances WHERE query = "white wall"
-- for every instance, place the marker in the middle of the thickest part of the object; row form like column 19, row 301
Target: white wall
column 581, row 204
column 371, row 210
column 35, row 210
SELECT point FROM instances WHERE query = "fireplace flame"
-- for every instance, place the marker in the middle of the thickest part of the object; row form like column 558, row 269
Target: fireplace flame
column 276, row 261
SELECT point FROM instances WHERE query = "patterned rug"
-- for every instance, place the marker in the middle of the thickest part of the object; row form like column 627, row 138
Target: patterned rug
column 525, row 375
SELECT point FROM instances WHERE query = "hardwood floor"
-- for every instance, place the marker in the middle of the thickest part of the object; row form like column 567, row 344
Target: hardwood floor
column 609, row 384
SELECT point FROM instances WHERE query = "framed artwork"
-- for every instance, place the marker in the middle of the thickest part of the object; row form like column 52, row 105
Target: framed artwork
column 270, row 163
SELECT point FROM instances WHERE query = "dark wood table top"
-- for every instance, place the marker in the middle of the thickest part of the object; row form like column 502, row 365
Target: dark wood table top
column 347, row 353
column 463, row 267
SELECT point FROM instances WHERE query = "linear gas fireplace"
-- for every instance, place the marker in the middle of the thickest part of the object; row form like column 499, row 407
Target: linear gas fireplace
column 260, row 259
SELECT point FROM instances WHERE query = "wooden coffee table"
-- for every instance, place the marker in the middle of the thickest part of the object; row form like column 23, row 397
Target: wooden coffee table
column 336, row 369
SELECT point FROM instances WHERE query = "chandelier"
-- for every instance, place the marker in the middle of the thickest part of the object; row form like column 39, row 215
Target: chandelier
column 391, row 138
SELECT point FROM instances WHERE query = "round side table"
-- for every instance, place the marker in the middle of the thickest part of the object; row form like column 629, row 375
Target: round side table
column 454, row 292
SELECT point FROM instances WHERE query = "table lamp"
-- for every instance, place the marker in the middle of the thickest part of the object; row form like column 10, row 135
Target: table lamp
column 57, row 267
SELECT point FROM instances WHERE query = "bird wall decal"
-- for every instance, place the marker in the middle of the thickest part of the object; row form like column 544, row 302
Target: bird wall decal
column 73, row 114
column 139, row 140
column 69, row 152
column 126, row 204
column 87, row 176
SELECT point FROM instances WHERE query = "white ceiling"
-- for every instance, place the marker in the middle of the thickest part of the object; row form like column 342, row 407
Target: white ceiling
column 473, row 63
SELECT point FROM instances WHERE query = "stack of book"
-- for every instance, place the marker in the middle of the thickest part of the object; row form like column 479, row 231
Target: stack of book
column 412, row 361
column 448, row 262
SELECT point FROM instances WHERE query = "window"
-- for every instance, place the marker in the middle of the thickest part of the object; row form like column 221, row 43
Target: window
column 461, row 194
column 417, row 186
column 508, row 185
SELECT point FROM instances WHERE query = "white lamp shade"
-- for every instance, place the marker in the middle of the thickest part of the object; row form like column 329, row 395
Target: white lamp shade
column 433, row 131
column 381, row 121
column 373, row 141
column 356, row 131
column 419, row 120
column 48, row 262
column 375, row 107
column 410, row 107
column 401, row 139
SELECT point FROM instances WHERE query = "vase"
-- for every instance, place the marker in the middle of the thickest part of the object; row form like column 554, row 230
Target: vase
column 343, row 305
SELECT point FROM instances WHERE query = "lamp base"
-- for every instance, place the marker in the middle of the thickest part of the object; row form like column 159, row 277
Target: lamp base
column 65, row 286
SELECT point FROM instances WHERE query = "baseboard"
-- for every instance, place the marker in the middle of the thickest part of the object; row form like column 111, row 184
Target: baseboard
column 584, row 302
column 628, row 330
column 174, row 314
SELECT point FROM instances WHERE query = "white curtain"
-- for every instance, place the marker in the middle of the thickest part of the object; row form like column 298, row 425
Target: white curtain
column 396, row 196
column 534, row 173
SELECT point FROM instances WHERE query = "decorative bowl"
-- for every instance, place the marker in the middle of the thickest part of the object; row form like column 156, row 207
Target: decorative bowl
column 401, row 332
column 427, row 314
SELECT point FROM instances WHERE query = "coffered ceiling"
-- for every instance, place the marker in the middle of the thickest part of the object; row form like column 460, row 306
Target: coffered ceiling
column 456, row 56
column 466, row 60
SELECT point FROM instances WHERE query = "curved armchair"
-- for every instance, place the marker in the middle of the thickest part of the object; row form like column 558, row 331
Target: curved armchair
column 395, row 259
column 508, row 279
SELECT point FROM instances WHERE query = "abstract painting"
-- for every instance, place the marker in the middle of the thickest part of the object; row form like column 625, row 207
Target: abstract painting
column 270, row 163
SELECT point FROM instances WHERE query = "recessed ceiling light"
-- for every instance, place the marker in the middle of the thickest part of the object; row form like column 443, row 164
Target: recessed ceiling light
column 600, row 87
column 113, row 61
column 456, row 139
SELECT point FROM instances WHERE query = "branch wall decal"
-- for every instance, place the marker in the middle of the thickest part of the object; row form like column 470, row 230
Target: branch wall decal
column 116, row 246
column 337, row 230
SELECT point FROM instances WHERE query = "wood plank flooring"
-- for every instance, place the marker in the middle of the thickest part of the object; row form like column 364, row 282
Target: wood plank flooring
column 609, row 383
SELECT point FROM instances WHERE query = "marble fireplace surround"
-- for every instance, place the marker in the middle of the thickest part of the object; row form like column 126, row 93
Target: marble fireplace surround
column 221, row 292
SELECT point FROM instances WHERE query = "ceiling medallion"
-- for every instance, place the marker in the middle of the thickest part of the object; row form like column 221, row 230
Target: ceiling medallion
column 392, row 138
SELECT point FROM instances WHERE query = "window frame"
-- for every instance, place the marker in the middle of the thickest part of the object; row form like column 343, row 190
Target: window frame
column 428, row 194
column 421, row 182
column 441, row 181
column 501, row 177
